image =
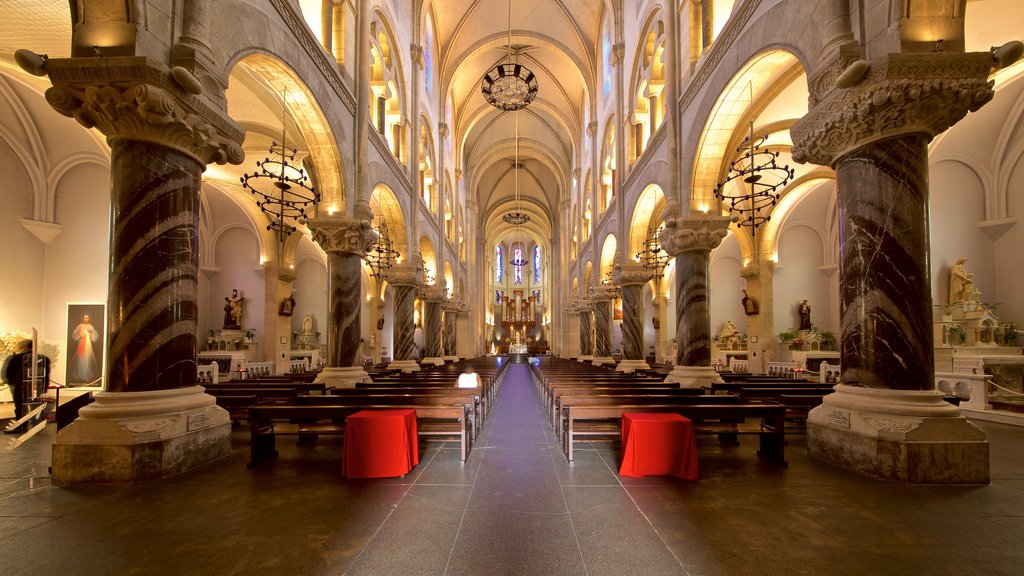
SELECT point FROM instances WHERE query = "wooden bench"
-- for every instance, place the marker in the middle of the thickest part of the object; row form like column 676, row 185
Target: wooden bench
column 605, row 396
column 266, row 422
column 412, row 397
column 604, row 423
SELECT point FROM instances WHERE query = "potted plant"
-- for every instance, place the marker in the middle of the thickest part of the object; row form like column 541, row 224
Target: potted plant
column 957, row 334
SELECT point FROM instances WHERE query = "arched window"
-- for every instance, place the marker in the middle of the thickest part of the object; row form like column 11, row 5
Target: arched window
column 536, row 264
column 498, row 264
column 517, row 258
column 606, row 53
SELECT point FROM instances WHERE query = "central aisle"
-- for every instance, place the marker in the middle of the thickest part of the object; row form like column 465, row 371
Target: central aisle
column 516, row 507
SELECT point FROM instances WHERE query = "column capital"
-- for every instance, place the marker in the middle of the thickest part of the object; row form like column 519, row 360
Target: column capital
column 630, row 273
column 442, row 130
column 903, row 93
column 433, row 293
column 405, row 275
column 416, row 51
column 342, row 234
column 584, row 304
column 693, row 233
column 136, row 98
column 604, row 293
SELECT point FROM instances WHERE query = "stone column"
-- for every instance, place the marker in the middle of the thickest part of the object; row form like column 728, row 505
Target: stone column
column 404, row 280
column 892, row 424
column 152, row 420
column 345, row 240
column 450, row 312
column 572, row 329
column 603, row 298
column 464, row 334
column 432, row 297
column 691, row 239
column 631, row 277
column 586, row 310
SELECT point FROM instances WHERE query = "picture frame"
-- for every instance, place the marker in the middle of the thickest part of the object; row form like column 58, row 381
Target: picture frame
column 86, row 343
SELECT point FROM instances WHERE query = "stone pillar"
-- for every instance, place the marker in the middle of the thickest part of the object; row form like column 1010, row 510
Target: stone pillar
column 464, row 334
column 152, row 420
column 345, row 240
column 893, row 424
column 404, row 280
column 691, row 239
column 586, row 310
column 432, row 297
column 758, row 275
column 572, row 323
column 450, row 313
column 603, row 298
column 631, row 277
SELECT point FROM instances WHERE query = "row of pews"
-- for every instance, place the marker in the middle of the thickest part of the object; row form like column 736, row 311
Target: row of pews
column 295, row 405
column 585, row 403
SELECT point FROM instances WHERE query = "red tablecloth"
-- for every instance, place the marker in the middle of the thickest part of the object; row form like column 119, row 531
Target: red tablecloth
column 658, row 443
column 380, row 443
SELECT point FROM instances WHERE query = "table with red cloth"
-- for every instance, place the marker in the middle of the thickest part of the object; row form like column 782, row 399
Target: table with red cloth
column 380, row 443
column 657, row 443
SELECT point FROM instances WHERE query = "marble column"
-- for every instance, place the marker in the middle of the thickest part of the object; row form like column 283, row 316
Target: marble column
column 603, row 298
column 631, row 278
column 886, row 419
column 450, row 311
column 346, row 241
column 404, row 279
column 586, row 310
column 691, row 239
column 432, row 297
column 152, row 420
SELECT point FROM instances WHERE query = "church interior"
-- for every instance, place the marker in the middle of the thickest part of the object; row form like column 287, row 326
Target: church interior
column 217, row 211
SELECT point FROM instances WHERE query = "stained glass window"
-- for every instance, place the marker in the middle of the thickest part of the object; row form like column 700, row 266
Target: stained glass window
column 536, row 264
column 517, row 257
column 498, row 264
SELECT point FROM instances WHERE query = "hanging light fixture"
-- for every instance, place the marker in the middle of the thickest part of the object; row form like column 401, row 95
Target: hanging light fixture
column 383, row 254
column 653, row 256
column 281, row 188
column 509, row 85
column 759, row 169
column 517, row 217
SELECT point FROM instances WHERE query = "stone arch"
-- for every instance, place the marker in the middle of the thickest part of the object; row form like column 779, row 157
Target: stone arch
column 429, row 259
column 608, row 250
column 646, row 213
column 387, row 209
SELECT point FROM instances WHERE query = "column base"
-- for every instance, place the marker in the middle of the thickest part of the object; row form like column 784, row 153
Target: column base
column 630, row 366
column 603, row 360
column 914, row 437
column 588, row 358
column 404, row 365
column 451, row 358
column 342, row 376
column 433, row 361
column 127, row 437
column 694, row 376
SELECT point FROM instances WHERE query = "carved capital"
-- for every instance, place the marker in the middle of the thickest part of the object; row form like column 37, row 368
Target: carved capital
column 604, row 293
column 693, row 233
column 592, row 128
column 442, row 130
column 630, row 273
column 135, row 98
column 405, row 275
column 338, row 234
column 902, row 94
column 286, row 274
column 416, row 52
column 433, row 293
column 584, row 304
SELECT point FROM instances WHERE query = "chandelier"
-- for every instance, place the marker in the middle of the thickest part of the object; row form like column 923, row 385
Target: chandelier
column 653, row 256
column 509, row 85
column 758, row 167
column 383, row 254
column 281, row 188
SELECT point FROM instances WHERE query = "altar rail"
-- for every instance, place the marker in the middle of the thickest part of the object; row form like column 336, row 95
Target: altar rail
column 207, row 374
column 739, row 366
column 829, row 374
column 253, row 370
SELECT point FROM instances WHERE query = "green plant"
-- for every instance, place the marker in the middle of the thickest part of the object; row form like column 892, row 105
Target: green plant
column 828, row 341
column 1011, row 334
column 787, row 337
column 957, row 331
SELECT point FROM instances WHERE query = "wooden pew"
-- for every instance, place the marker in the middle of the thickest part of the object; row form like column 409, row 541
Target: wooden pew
column 678, row 396
column 604, row 422
column 408, row 397
column 268, row 422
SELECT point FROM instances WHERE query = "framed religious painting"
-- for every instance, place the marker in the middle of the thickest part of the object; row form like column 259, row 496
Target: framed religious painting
column 86, row 335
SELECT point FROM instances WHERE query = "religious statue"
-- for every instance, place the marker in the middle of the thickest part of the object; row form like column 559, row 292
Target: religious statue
column 307, row 324
column 287, row 306
column 233, row 311
column 805, row 315
column 961, row 283
column 749, row 305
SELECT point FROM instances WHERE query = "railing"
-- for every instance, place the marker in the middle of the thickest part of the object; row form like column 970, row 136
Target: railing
column 253, row 370
column 739, row 366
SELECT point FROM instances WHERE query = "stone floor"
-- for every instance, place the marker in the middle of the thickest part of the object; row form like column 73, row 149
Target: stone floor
column 515, row 507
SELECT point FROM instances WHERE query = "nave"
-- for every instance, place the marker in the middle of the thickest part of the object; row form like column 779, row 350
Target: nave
column 515, row 507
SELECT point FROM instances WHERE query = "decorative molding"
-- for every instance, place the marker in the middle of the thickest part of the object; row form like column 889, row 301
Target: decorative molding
column 135, row 98
column 603, row 294
column 630, row 274
column 713, row 56
column 404, row 275
column 904, row 94
column 434, row 293
column 347, row 235
column 693, row 233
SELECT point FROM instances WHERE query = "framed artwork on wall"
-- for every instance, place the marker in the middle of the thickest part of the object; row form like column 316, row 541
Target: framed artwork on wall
column 86, row 335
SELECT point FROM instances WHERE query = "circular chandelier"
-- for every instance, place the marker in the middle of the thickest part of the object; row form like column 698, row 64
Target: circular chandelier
column 281, row 188
column 509, row 85
column 759, row 170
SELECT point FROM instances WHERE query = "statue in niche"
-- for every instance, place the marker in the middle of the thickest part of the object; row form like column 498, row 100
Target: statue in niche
column 233, row 311
column 961, row 283
column 749, row 305
column 805, row 315
column 307, row 324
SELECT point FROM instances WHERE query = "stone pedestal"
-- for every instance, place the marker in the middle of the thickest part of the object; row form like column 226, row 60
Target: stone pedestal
column 342, row 376
column 900, row 435
column 152, row 421
column 126, row 437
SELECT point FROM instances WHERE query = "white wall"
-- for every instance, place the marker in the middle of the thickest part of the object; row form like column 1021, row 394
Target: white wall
column 725, row 288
